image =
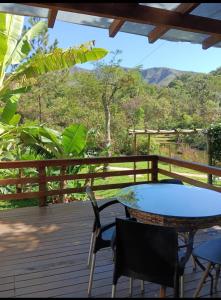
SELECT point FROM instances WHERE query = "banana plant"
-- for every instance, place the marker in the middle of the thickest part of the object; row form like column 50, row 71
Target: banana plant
column 43, row 141
column 15, row 48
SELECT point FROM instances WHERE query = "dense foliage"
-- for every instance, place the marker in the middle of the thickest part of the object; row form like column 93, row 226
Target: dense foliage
column 214, row 133
column 191, row 101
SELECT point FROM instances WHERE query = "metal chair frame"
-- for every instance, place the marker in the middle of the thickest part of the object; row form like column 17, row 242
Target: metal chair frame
column 97, row 242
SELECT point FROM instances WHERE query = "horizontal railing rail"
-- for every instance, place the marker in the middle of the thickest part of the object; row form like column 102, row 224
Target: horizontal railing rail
column 40, row 178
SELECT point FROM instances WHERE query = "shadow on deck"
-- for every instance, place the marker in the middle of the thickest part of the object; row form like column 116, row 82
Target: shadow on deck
column 44, row 254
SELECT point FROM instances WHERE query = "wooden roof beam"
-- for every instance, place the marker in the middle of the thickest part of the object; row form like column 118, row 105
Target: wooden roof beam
column 52, row 17
column 159, row 31
column 211, row 41
column 115, row 27
column 140, row 14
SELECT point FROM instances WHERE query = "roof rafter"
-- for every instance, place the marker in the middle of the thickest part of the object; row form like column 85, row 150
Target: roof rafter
column 211, row 41
column 115, row 27
column 141, row 14
column 159, row 31
column 52, row 17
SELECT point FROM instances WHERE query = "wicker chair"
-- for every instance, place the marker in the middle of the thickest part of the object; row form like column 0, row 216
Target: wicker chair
column 140, row 254
column 209, row 251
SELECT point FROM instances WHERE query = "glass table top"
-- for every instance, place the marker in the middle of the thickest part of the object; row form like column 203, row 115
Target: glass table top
column 172, row 200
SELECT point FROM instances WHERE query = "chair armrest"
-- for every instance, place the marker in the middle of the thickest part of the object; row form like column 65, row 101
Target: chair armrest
column 105, row 227
column 109, row 203
column 186, row 245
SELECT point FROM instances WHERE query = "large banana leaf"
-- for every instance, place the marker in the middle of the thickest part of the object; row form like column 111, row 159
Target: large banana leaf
column 9, row 93
column 58, row 59
column 74, row 139
column 10, row 31
column 10, row 108
column 24, row 47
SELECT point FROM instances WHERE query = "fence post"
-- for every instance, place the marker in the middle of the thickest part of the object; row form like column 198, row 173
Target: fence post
column 42, row 185
column 19, row 185
column 135, row 153
column 62, row 183
column 154, row 174
column 210, row 160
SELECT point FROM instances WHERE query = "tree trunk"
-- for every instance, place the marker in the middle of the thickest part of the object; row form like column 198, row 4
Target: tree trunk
column 40, row 111
column 107, row 130
column 107, row 133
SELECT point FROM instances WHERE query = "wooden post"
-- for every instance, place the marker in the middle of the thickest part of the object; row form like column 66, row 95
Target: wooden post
column 135, row 153
column 155, row 170
column 148, row 152
column 42, row 186
column 210, row 159
column 62, row 183
column 170, row 166
column 19, row 185
column 162, row 291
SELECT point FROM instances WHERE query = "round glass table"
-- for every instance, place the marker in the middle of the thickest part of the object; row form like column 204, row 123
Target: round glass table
column 180, row 206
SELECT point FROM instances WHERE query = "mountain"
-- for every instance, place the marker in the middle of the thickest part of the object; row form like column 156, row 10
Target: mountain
column 162, row 76
column 157, row 76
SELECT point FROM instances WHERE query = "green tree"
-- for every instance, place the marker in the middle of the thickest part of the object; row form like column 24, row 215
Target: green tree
column 113, row 81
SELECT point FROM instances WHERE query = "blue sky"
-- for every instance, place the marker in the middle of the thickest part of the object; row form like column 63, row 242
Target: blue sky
column 136, row 50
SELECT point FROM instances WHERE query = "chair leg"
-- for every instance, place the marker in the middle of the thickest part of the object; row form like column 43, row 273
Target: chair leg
column 130, row 286
column 142, row 286
column 200, row 285
column 91, row 275
column 162, row 291
column 181, row 286
column 193, row 263
column 113, row 293
column 91, row 249
column 217, row 276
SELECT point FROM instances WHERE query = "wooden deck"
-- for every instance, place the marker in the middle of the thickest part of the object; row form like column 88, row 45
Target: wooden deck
column 44, row 254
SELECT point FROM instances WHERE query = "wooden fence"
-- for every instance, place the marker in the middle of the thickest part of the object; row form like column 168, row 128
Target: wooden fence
column 42, row 178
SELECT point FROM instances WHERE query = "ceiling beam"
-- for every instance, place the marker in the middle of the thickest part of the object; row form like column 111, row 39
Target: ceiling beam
column 115, row 27
column 211, row 41
column 159, row 31
column 52, row 17
column 140, row 14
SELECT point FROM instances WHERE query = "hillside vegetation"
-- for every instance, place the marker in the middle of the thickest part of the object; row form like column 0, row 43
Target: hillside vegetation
column 191, row 100
column 158, row 76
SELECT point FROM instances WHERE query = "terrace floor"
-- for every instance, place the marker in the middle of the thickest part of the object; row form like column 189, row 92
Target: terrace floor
column 44, row 254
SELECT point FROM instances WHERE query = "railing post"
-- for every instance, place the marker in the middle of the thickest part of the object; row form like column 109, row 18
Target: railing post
column 42, row 186
column 154, row 175
column 19, row 185
column 210, row 160
column 135, row 153
column 62, row 183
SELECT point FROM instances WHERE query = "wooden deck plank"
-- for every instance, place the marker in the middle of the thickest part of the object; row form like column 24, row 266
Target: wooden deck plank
column 44, row 254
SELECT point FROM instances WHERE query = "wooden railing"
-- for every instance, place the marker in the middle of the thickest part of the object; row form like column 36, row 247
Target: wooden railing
column 42, row 179
column 192, row 166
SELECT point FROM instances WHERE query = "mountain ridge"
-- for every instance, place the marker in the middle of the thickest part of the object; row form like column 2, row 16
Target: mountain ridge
column 160, row 76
